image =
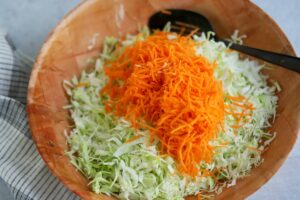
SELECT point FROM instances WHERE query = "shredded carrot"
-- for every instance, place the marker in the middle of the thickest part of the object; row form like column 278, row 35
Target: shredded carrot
column 166, row 12
column 237, row 98
column 254, row 148
column 198, row 196
column 223, row 144
column 191, row 26
column 82, row 84
column 193, row 32
column 182, row 30
column 164, row 85
column 133, row 138
column 236, row 126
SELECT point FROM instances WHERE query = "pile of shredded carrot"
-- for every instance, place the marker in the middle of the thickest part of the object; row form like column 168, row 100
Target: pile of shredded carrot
column 162, row 85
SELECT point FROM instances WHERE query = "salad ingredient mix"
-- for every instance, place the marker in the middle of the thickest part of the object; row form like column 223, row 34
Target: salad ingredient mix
column 164, row 116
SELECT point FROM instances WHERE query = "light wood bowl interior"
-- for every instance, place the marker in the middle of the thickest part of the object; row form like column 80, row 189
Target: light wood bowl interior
column 65, row 52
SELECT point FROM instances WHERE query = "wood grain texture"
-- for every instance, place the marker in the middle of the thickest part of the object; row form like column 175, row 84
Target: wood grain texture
column 63, row 54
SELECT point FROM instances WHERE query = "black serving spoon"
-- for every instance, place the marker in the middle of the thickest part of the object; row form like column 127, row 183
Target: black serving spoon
column 185, row 21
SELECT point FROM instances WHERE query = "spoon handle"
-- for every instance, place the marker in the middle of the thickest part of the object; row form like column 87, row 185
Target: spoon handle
column 286, row 61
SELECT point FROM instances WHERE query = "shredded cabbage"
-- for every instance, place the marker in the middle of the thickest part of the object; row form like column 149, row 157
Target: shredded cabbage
column 136, row 170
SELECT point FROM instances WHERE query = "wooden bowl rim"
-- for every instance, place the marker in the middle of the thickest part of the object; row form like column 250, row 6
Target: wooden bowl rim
column 60, row 25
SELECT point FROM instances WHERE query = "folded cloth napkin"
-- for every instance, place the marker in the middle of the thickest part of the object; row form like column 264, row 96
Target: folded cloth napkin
column 21, row 166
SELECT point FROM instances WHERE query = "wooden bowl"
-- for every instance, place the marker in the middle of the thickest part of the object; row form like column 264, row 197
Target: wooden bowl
column 64, row 55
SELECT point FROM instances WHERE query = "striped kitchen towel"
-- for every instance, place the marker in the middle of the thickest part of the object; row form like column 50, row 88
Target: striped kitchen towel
column 21, row 166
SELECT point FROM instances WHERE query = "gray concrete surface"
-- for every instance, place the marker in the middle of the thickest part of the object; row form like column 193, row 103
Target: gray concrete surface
column 29, row 21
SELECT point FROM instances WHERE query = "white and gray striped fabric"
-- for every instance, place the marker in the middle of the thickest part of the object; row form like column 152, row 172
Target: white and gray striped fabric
column 21, row 166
